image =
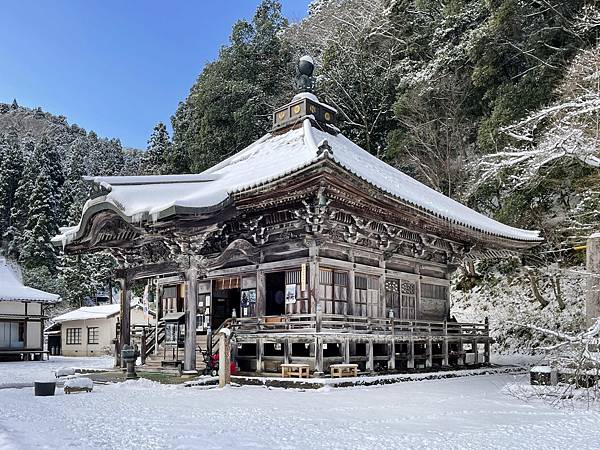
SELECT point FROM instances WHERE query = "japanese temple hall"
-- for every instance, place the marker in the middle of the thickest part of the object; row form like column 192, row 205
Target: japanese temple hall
column 307, row 247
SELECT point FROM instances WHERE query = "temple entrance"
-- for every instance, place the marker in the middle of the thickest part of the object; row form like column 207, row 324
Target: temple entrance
column 275, row 293
column 224, row 301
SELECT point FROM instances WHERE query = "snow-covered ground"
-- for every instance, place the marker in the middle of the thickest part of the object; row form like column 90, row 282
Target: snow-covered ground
column 471, row 412
column 30, row 371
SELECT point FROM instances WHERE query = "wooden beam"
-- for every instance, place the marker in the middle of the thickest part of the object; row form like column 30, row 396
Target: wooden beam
column 191, row 309
column 252, row 268
column 148, row 270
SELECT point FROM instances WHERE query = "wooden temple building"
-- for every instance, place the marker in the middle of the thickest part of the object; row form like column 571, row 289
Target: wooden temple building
column 306, row 246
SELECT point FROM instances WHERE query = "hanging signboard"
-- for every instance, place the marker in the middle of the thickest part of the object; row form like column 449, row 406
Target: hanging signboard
column 303, row 277
column 175, row 279
column 290, row 294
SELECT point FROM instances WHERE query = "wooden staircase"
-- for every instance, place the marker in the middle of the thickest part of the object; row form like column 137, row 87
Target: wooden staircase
column 163, row 360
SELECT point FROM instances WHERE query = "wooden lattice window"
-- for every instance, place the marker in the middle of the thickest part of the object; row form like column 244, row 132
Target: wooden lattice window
column 366, row 296
column 401, row 298
column 73, row 336
column 434, row 291
column 333, row 293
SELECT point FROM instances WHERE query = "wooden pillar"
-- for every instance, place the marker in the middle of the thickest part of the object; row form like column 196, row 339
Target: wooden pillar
column 259, row 355
column 261, row 293
column 475, row 351
column 371, row 359
column 314, row 285
column 418, row 314
column 487, row 345
column 347, row 351
column 410, row 347
column 143, row 346
column 392, row 345
column 224, row 358
column 445, row 361
column 191, row 310
column 286, row 351
column 592, row 295
column 318, row 356
column 429, row 350
column 382, row 305
column 125, row 315
column 351, row 279
column 158, row 303
column 461, row 353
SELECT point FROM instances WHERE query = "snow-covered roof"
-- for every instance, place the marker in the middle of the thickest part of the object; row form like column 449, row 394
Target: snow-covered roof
column 12, row 289
column 273, row 156
column 91, row 312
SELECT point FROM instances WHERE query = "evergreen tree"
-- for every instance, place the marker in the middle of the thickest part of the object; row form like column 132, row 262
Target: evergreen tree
column 114, row 158
column 20, row 211
column 75, row 193
column 82, row 276
column 11, row 168
column 41, row 224
column 154, row 161
column 230, row 105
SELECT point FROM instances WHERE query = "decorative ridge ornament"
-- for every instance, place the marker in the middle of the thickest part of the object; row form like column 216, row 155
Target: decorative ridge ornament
column 304, row 74
column 305, row 104
column 324, row 147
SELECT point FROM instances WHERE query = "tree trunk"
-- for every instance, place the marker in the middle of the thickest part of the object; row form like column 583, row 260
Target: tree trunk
column 535, row 288
column 558, row 292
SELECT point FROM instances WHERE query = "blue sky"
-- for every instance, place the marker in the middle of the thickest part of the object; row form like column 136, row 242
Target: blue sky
column 115, row 67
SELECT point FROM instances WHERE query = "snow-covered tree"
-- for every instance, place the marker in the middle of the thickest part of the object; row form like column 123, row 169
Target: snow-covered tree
column 159, row 146
column 230, row 104
column 41, row 224
column 552, row 165
column 75, row 193
column 11, row 168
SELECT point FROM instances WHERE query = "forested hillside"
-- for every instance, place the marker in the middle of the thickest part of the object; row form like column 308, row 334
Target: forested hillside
column 492, row 102
column 42, row 160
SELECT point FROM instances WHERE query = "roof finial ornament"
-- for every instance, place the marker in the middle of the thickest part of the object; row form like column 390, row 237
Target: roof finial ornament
column 324, row 147
column 304, row 77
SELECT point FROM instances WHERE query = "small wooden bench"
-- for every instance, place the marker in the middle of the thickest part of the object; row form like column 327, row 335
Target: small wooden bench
column 343, row 370
column 295, row 370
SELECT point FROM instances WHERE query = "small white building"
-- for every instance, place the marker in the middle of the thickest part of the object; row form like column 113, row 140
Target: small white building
column 90, row 330
column 21, row 316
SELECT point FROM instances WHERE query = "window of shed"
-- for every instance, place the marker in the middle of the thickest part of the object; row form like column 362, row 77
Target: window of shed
column 73, row 336
column 93, row 335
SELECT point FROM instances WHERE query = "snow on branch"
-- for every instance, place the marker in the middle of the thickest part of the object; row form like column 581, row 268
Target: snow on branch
column 584, row 341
